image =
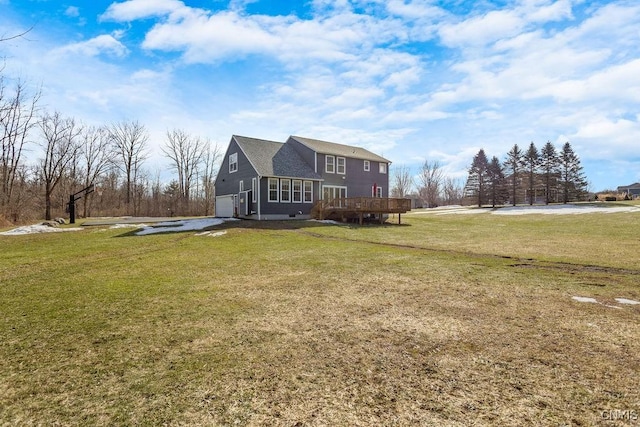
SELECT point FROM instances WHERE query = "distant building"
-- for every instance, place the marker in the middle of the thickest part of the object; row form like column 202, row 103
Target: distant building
column 632, row 191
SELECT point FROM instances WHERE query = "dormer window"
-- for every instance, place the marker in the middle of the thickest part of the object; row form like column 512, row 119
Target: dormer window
column 233, row 162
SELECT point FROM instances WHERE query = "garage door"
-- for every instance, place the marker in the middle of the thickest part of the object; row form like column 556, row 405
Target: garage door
column 224, row 206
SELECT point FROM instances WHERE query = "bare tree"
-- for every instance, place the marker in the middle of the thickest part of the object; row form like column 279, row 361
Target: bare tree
column 4, row 38
column 97, row 157
column 430, row 178
column 61, row 147
column 17, row 118
column 129, row 141
column 452, row 191
column 210, row 165
column 186, row 153
column 402, row 182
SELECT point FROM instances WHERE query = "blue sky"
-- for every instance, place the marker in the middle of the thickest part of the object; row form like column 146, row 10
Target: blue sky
column 408, row 79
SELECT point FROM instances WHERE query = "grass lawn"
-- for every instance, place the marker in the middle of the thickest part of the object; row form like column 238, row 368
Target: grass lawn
column 445, row 320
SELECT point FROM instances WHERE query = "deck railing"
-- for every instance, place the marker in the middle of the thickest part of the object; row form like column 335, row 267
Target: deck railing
column 367, row 204
column 360, row 205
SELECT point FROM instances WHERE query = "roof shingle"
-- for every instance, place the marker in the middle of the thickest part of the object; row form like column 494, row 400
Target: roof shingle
column 271, row 158
column 332, row 148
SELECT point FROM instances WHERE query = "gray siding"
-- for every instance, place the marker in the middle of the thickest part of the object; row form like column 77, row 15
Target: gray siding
column 285, row 208
column 229, row 183
column 358, row 181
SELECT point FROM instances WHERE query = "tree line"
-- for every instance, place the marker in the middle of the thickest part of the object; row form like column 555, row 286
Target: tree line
column 110, row 157
column 430, row 187
column 532, row 176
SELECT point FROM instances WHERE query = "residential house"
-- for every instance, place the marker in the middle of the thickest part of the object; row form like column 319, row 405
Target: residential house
column 263, row 179
column 631, row 191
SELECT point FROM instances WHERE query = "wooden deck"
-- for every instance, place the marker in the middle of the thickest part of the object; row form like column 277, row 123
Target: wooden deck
column 360, row 207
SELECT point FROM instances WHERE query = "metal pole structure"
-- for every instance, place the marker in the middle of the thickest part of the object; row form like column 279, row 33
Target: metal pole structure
column 73, row 199
column 72, row 209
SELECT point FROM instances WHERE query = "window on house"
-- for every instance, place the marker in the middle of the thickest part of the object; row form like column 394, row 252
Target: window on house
column 330, row 164
column 273, row 189
column 308, row 192
column 233, row 162
column 285, row 190
column 254, row 182
column 241, row 189
column 297, row 191
column 383, row 168
column 376, row 191
column 367, row 166
column 341, row 165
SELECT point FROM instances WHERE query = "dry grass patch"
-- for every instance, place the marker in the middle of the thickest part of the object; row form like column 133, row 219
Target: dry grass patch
column 288, row 327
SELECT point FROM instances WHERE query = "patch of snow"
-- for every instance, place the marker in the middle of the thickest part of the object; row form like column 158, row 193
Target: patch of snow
column 182, row 225
column 626, row 301
column 116, row 226
column 37, row 228
column 585, row 299
column 562, row 210
column 210, row 234
column 525, row 210
column 325, row 221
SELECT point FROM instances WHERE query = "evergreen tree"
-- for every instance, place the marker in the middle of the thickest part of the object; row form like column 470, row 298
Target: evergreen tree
column 495, row 178
column 513, row 164
column 477, row 177
column 549, row 168
column 531, row 161
column 573, row 181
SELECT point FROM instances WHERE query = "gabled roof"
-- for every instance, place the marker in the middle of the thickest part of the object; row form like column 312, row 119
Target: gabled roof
column 629, row 187
column 270, row 158
column 342, row 150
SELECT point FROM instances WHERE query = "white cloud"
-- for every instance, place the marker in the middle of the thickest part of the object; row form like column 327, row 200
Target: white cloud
column 72, row 12
column 205, row 38
column 141, row 9
column 547, row 11
column 481, row 30
column 104, row 44
column 414, row 9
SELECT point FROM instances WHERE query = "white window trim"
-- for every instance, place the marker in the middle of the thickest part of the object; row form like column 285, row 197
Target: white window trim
column 277, row 199
column 333, row 164
column 254, row 181
column 379, row 192
column 241, row 186
column 233, row 160
column 304, row 192
column 344, row 165
column 382, row 168
column 293, row 191
column 333, row 187
column 288, row 192
column 367, row 166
